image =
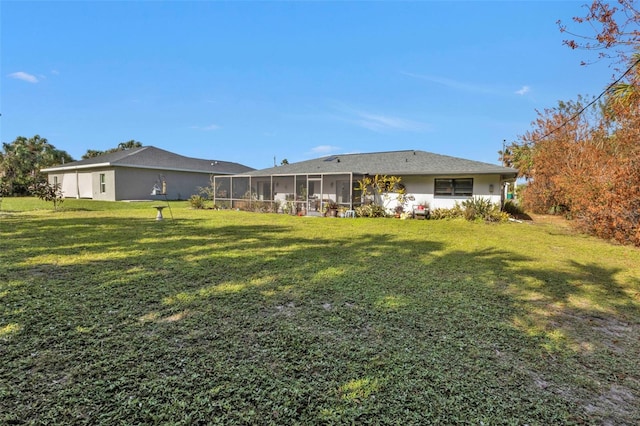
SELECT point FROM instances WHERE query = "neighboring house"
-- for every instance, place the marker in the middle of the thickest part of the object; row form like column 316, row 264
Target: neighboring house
column 135, row 174
column 438, row 180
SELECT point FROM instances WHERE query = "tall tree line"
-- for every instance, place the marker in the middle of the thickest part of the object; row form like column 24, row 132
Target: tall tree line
column 582, row 157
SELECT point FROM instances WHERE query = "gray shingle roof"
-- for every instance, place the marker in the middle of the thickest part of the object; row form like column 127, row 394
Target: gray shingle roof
column 408, row 162
column 154, row 158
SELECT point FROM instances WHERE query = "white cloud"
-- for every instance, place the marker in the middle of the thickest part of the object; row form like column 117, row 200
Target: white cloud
column 21, row 75
column 453, row 84
column 523, row 91
column 324, row 149
column 376, row 122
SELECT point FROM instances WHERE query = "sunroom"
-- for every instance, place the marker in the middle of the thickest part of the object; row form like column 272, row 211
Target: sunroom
column 303, row 194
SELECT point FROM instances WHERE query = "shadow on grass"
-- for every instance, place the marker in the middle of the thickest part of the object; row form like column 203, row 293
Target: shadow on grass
column 139, row 321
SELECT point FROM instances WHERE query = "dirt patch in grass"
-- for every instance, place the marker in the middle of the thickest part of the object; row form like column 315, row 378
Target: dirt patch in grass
column 549, row 219
column 615, row 406
column 606, row 343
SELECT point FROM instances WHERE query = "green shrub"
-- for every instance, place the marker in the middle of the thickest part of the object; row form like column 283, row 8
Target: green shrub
column 222, row 205
column 476, row 208
column 264, row 207
column 289, row 207
column 197, row 202
column 512, row 208
column 370, row 210
column 452, row 213
column 497, row 216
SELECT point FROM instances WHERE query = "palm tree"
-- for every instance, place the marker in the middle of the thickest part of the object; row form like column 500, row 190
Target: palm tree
column 626, row 93
column 123, row 146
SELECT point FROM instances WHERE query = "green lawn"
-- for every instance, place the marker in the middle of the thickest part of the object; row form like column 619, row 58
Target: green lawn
column 224, row 317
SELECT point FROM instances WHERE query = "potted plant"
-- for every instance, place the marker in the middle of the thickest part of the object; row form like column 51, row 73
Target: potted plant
column 331, row 208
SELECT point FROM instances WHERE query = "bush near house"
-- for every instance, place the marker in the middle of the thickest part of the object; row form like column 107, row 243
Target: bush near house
column 511, row 208
column 476, row 208
column 371, row 210
column 197, row 202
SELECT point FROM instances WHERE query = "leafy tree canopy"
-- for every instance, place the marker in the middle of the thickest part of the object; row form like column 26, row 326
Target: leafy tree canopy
column 612, row 30
column 581, row 158
column 122, row 146
column 22, row 160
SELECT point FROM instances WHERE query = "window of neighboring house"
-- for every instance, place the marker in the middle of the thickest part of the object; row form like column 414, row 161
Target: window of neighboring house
column 456, row 187
column 55, row 181
column 103, row 183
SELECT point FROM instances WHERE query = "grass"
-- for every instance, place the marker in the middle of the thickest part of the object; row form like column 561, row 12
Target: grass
column 225, row 317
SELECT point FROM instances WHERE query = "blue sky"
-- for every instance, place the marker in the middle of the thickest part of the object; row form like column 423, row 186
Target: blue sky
column 250, row 81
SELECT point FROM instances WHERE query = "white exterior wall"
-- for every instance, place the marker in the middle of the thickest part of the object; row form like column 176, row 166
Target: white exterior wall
column 109, row 193
column 67, row 185
column 85, row 184
column 422, row 188
column 74, row 184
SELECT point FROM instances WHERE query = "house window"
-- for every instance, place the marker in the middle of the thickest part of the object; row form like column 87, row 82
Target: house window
column 55, row 181
column 456, row 187
column 103, row 183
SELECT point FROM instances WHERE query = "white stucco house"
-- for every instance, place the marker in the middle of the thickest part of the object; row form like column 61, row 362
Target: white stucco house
column 137, row 173
column 437, row 180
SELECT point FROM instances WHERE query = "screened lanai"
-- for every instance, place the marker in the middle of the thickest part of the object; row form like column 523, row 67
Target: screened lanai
column 308, row 194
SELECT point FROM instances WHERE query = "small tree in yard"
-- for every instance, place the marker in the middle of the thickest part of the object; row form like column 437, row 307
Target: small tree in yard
column 48, row 192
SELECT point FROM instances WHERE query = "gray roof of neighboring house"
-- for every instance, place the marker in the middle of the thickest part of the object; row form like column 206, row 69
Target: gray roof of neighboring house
column 408, row 162
column 149, row 157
